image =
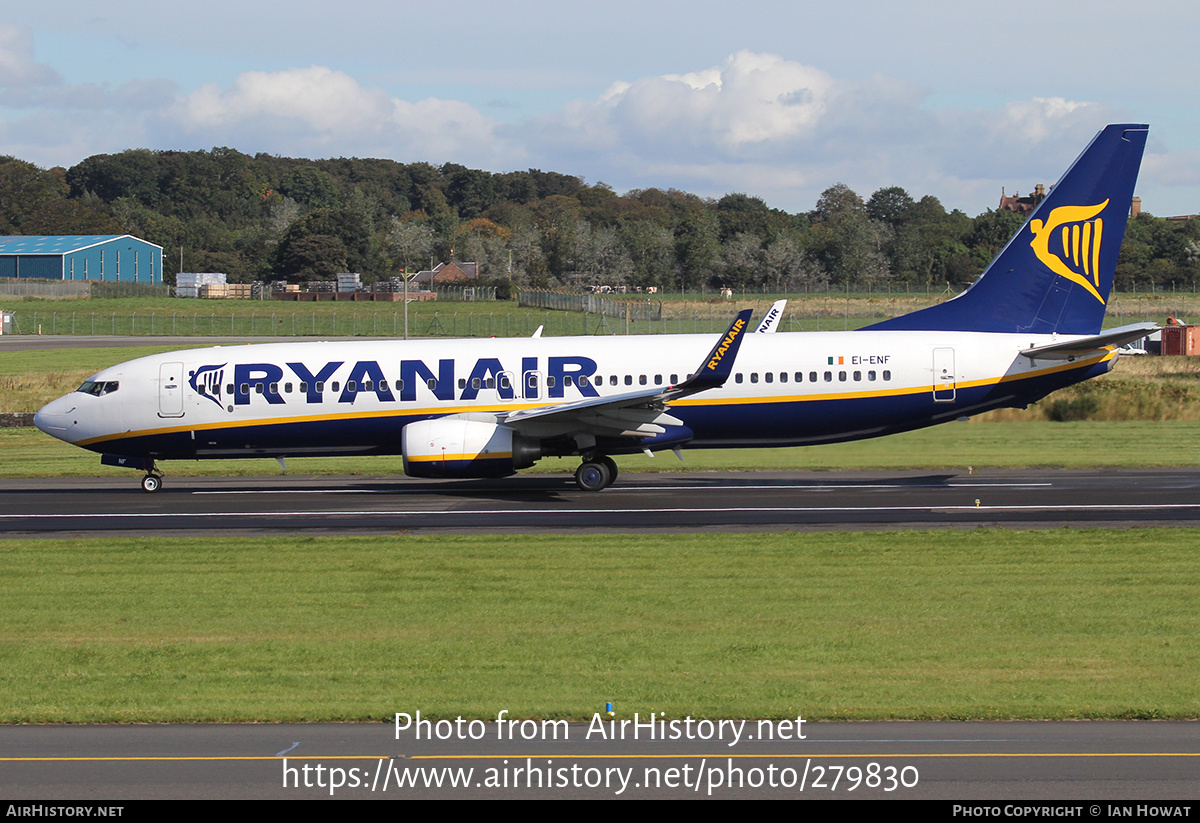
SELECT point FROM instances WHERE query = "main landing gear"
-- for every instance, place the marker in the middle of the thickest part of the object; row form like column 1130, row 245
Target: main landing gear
column 596, row 473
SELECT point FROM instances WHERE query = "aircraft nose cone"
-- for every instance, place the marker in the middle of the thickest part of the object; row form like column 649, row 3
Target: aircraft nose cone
column 54, row 418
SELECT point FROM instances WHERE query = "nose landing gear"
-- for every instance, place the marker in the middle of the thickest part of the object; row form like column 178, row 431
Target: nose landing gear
column 152, row 482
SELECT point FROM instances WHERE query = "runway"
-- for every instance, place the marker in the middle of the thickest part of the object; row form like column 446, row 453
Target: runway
column 637, row 502
column 997, row 762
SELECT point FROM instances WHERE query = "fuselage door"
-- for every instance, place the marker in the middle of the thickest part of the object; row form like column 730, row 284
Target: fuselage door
column 943, row 375
column 531, row 385
column 170, row 390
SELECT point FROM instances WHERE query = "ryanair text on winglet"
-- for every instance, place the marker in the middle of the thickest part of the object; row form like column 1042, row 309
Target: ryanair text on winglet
column 734, row 331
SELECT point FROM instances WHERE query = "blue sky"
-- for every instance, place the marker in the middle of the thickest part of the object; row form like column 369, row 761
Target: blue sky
column 776, row 99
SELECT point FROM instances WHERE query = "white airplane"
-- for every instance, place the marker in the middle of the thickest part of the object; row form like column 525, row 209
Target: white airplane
column 487, row 408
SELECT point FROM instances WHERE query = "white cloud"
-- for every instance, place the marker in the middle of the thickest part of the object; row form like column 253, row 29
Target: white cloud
column 315, row 98
column 755, row 122
column 23, row 81
column 18, row 70
column 324, row 112
column 785, row 131
column 749, row 100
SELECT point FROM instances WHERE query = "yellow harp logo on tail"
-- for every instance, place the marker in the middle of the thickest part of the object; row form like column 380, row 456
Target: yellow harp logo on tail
column 1069, row 244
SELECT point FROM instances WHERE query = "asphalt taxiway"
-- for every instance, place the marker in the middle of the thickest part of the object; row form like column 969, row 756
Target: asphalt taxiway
column 993, row 761
column 638, row 502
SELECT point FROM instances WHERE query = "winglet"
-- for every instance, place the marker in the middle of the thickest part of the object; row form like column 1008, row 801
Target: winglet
column 770, row 321
column 717, row 367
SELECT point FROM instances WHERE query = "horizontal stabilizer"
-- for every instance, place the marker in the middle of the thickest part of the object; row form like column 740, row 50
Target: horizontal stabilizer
column 1093, row 344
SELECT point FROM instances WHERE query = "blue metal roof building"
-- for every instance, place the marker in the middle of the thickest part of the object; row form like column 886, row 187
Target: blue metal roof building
column 112, row 257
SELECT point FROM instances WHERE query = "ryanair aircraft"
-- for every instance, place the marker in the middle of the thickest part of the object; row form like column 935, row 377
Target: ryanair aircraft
column 487, row 408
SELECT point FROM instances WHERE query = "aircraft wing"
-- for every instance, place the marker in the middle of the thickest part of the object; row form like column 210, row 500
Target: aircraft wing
column 1094, row 344
column 634, row 414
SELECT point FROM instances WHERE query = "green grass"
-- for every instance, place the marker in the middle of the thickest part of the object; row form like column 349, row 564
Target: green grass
column 948, row 624
column 27, row 452
column 832, row 311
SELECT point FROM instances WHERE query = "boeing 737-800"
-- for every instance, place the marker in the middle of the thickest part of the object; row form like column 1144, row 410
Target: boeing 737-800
column 486, row 408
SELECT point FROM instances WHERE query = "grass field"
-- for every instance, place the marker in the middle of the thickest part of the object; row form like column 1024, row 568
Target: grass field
column 948, row 624
column 689, row 313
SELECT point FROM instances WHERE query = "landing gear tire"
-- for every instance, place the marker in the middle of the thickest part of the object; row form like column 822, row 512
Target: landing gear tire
column 611, row 465
column 593, row 476
column 151, row 483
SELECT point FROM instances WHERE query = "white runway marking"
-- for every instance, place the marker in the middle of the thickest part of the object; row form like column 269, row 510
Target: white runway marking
column 728, row 510
column 640, row 489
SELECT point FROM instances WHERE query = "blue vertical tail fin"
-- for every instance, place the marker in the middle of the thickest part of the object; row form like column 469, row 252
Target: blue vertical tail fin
column 1055, row 274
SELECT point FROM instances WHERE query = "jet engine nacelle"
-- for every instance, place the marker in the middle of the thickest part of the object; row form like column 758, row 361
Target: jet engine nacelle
column 464, row 447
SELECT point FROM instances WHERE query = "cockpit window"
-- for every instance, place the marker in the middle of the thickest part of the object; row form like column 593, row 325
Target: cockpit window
column 99, row 388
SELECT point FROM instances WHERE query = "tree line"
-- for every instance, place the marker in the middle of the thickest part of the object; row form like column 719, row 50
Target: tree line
column 264, row 217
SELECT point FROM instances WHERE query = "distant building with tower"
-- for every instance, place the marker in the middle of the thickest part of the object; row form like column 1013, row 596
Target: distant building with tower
column 1022, row 205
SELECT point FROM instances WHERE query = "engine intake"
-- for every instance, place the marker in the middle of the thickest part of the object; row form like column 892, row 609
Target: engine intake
column 462, row 447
